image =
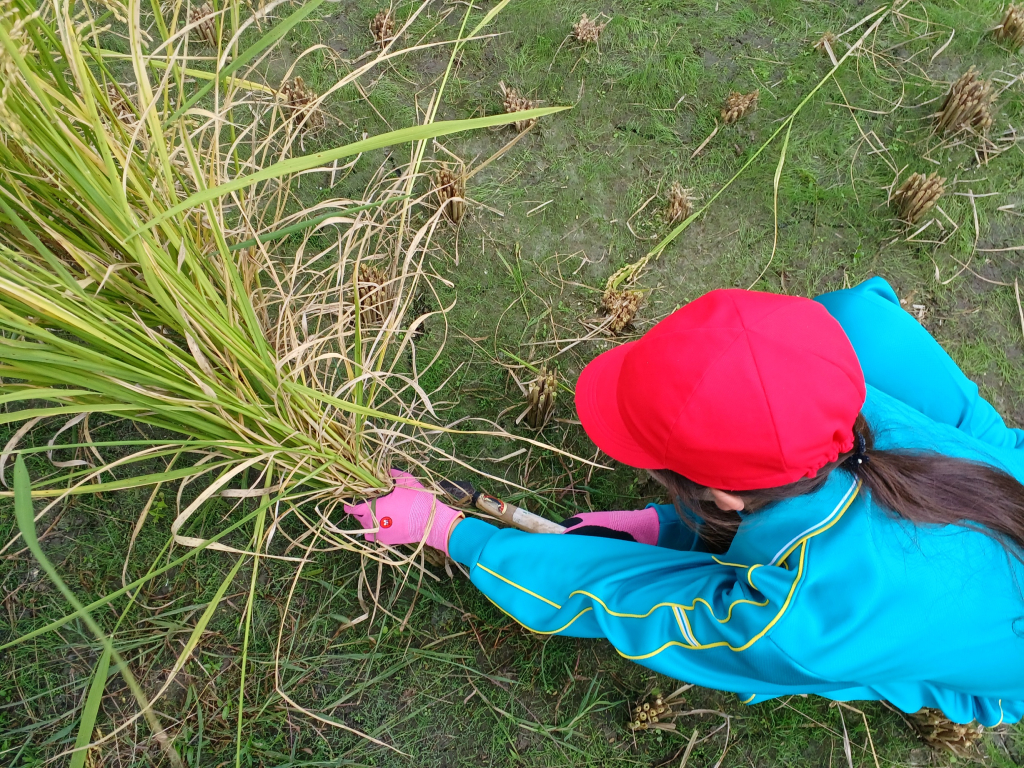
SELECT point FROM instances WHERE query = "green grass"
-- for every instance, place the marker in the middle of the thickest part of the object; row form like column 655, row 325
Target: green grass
column 460, row 684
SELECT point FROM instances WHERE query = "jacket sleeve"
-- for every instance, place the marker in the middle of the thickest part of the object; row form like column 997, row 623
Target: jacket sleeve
column 900, row 357
column 674, row 533
column 685, row 614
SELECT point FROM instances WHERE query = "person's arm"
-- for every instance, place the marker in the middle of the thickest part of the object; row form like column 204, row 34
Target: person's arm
column 683, row 613
column 686, row 614
column 674, row 532
column 899, row 357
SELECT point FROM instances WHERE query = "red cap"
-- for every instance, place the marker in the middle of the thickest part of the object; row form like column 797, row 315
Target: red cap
column 737, row 390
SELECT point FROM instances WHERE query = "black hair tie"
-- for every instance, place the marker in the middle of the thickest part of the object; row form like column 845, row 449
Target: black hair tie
column 860, row 451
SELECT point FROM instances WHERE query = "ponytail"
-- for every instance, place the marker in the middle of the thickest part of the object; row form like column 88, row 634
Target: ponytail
column 924, row 488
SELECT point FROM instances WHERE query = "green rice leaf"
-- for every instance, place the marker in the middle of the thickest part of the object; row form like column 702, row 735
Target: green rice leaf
column 81, row 612
column 90, row 710
column 317, row 159
column 23, row 511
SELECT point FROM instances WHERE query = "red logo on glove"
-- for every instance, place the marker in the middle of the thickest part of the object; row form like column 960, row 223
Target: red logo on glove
column 385, row 522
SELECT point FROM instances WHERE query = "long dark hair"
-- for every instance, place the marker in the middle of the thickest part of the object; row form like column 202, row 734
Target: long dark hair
column 922, row 487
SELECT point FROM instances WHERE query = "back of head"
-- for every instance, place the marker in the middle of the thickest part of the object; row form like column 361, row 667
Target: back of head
column 738, row 389
column 760, row 394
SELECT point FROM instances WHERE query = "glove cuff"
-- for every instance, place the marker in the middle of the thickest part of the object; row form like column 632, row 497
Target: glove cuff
column 441, row 527
column 641, row 525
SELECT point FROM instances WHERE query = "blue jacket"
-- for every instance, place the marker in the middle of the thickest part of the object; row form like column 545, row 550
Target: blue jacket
column 827, row 593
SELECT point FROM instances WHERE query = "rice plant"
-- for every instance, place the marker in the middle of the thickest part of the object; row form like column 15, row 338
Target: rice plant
column 141, row 279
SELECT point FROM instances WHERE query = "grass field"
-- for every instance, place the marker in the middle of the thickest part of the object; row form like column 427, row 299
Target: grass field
column 431, row 671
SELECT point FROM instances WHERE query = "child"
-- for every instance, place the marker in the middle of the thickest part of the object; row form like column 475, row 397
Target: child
column 848, row 517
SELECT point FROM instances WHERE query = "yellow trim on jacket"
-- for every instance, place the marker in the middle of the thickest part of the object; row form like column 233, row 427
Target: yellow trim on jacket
column 517, row 586
column 680, row 610
column 802, row 544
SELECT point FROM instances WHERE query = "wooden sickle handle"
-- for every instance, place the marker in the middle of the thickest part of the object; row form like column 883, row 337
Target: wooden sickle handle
column 515, row 516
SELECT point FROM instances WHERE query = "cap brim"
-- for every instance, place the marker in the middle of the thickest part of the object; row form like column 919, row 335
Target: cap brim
column 597, row 403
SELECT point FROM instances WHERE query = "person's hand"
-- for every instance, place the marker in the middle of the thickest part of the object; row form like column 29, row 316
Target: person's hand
column 404, row 515
column 641, row 525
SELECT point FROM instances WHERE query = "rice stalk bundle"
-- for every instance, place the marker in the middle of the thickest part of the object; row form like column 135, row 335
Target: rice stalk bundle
column 300, row 106
column 679, row 204
column 650, row 713
column 825, row 42
column 942, row 734
column 620, row 306
column 587, row 30
column 376, row 294
column 540, row 398
column 513, row 101
column 968, row 105
column 918, row 195
column 143, row 277
column 204, row 18
column 106, row 287
column 1011, row 31
column 737, row 105
column 657, row 712
column 450, row 189
column 382, row 27
column 124, row 289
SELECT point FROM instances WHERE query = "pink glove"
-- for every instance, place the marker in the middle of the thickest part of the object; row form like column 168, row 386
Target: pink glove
column 403, row 516
column 641, row 525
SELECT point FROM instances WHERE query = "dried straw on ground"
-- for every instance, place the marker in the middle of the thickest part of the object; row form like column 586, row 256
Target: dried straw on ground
column 587, row 30
column 739, row 104
column 540, row 398
column 968, row 105
column 514, row 101
column 300, row 106
column 918, row 195
column 1011, row 31
column 450, row 189
column 207, row 24
column 940, row 733
column 382, row 27
column 680, row 203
